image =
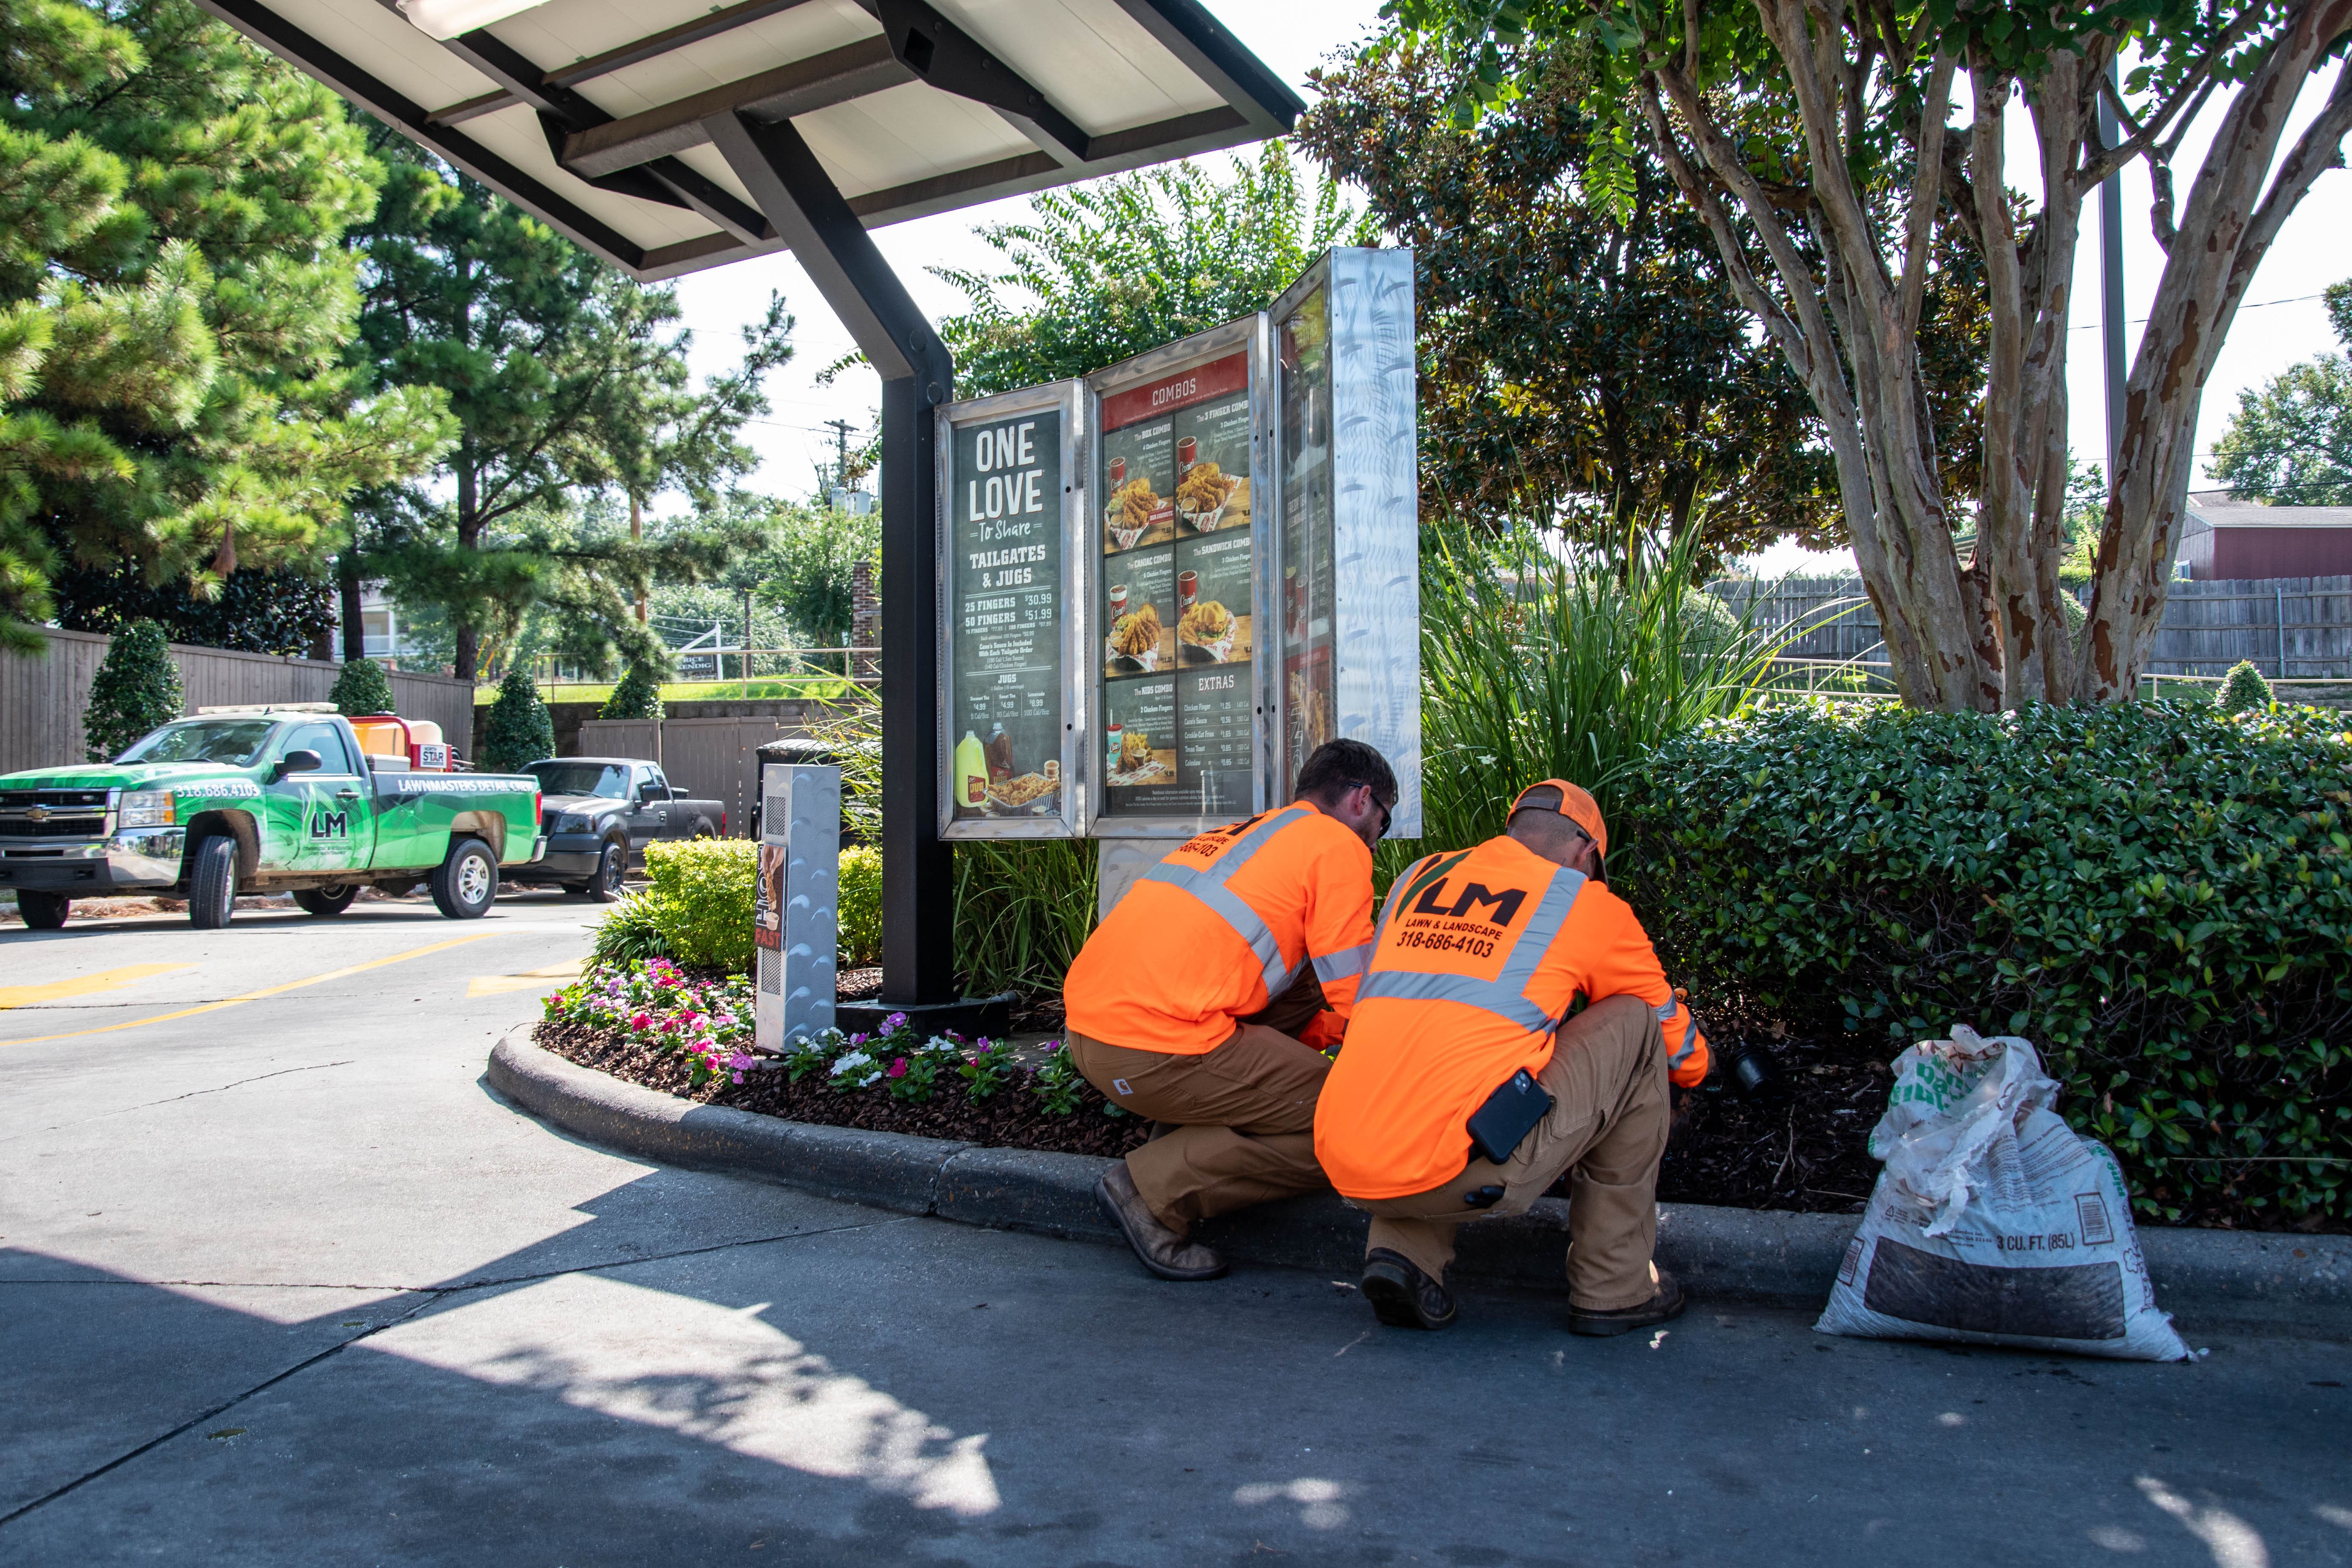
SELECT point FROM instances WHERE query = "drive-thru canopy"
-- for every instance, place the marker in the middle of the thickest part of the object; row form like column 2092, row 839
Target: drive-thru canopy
column 668, row 136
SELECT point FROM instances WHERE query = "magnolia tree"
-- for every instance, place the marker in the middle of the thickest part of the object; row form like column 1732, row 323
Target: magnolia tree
column 1818, row 141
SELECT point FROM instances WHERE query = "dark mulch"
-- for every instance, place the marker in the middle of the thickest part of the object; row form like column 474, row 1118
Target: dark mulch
column 1012, row 1120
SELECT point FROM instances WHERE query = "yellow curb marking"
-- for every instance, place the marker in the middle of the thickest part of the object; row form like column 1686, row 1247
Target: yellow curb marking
column 258, row 996
column 104, row 979
column 529, row 980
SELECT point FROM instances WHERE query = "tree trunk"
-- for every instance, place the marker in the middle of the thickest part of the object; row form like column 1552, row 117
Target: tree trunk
column 2222, row 238
column 469, row 542
column 347, row 586
column 637, row 535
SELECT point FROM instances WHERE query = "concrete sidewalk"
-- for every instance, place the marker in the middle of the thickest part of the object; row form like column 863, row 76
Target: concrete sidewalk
column 284, row 1283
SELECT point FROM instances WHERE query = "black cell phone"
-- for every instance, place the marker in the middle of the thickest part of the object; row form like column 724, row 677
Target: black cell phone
column 1509, row 1114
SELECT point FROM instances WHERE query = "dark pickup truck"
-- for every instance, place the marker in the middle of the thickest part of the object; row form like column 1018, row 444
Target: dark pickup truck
column 598, row 813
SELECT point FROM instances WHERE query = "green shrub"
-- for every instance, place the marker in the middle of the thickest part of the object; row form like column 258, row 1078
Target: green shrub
column 638, row 695
column 631, row 933
column 2158, row 897
column 136, row 688
column 860, row 905
column 363, row 687
column 701, row 902
column 2243, row 689
column 518, row 730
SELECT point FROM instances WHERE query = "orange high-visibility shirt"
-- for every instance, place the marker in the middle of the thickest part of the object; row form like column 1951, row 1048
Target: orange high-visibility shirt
column 1221, row 926
column 1479, row 954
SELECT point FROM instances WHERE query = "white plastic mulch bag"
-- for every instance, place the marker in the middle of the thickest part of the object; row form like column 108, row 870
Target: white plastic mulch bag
column 1993, row 1222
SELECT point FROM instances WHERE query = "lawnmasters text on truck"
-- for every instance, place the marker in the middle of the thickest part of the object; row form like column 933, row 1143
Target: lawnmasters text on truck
column 278, row 799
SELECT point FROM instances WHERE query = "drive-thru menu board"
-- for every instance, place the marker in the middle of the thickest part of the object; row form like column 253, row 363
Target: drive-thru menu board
column 1303, row 399
column 1007, row 583
column 1178, row 582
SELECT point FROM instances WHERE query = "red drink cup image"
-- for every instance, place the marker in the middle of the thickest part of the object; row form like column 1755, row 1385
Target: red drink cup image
column 1187, row 449
column 1188, row 588
column 1117, row 600
column 1117, row 472
column 1114, row 741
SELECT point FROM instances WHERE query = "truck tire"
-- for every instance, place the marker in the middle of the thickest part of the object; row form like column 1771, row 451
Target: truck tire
column 42, row 911
column 325, row 900
column 603, row 885
column 212, row 883
column 465, row 883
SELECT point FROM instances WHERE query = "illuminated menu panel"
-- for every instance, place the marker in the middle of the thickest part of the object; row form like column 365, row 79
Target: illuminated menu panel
column 1179, row 710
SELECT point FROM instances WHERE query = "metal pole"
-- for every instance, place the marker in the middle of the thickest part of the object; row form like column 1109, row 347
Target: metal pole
column 2111, row 288
column 811, row 215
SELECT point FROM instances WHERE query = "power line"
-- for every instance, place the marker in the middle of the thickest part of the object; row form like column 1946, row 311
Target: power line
column 2142, row 320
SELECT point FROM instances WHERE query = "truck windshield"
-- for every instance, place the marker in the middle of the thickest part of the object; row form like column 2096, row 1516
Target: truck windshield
column 610, row 780
column 236, row 742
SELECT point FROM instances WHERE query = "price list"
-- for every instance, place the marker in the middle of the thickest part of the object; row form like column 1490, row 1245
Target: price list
column 1004, row 613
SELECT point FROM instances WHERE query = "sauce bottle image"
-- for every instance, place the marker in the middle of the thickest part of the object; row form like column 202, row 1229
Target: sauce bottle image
column 971, row 772
column 999, row 754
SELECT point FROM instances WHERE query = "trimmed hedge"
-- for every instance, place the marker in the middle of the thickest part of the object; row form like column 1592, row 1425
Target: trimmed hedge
column 697, row 910
column 2159, row 897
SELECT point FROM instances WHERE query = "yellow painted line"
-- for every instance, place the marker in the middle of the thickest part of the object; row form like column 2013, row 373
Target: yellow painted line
column 258, row 996
column 529, row 980
column 104, row 979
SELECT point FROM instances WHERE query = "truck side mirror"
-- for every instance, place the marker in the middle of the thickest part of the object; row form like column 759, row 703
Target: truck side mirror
column 302, row 760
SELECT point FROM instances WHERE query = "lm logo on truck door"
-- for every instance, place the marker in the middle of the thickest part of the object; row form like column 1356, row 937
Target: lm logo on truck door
column 332, row 825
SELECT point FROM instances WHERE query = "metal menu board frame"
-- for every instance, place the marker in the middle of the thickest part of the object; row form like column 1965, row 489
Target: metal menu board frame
column 1156, row 422
column 969, row 473
column 1346, row 518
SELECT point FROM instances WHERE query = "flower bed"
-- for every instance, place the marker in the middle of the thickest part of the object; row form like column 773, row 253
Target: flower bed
column 659, row 1026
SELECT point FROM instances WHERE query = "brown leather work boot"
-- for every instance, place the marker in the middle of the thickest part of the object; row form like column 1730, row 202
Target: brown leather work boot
column 1402, row 1295
column 1164, row 1252
column 1665, row 1305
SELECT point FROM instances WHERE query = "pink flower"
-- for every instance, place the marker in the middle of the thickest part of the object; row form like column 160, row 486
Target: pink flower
column 739, row 1061
column 898, row 1067
column 642, row 1021
column 894, row 1022
column 670, row 1026
column 739, row 1078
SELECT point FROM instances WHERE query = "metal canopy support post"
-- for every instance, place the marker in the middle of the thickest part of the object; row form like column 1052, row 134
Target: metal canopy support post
column 812, row 218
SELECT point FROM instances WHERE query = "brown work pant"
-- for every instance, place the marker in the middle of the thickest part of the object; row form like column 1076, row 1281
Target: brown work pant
column 1607, row 1127
column 1237, row 1123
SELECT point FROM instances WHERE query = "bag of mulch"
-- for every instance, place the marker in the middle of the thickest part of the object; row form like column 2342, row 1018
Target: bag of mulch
column 1992, row 1222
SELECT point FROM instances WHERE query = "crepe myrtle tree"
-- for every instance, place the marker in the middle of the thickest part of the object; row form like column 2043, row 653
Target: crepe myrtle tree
column 1824, row 128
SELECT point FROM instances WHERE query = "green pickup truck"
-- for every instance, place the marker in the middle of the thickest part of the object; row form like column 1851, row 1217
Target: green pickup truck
column 259, row 800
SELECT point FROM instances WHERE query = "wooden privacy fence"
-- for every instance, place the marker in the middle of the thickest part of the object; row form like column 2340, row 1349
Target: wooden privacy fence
column 43, row 695
column 2291, row 627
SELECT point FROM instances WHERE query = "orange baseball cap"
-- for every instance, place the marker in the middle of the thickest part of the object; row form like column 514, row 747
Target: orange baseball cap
column 1577, row 805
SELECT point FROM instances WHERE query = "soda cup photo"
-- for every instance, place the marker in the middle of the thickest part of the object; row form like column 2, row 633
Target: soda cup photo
column 1117, row 472
column 1188, row 588
column 1187, row 451
column 1118, row 601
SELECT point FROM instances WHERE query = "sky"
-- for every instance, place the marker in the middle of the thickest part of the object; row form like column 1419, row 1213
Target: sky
column 2282, row 321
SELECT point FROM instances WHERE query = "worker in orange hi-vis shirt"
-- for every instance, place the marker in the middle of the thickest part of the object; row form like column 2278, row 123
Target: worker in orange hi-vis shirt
column 1202, row 1003
column 1464, row 1095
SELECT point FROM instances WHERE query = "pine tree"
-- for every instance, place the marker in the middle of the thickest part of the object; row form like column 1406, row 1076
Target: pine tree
column 175, row 300
column 362, row 687
column 518, row 731
column 137, row 687
column 2243, row 689
column 565, row 378
column 638, row 695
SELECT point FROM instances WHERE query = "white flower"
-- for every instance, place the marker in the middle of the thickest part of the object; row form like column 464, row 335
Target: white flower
column 851, row 1062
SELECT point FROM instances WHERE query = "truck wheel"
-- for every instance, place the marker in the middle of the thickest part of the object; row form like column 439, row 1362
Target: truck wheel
column 703, row 829
column 42, row 911
column 464, row 884
column 212, row 883
column 332, row 900
column 612, row 864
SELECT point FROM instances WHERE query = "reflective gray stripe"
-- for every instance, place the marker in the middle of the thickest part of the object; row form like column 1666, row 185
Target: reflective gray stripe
column 1666, row 1012
column 1396, row 895
column 1690, row 1044
column 1208, row 885
column 1345, row 964
column 1505, row 995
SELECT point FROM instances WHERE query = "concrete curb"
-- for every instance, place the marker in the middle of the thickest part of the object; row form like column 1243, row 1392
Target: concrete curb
column 2211, row 1279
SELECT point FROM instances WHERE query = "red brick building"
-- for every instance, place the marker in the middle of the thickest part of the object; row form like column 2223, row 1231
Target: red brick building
column 2228, row 539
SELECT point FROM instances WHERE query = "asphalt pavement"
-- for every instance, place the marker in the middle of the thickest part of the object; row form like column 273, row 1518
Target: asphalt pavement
column 282, row 1282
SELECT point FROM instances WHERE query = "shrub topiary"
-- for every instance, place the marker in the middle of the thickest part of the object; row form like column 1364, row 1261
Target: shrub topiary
column 638, row 695
column 363, row 687
column 2243, row 689
column 2159, row 897
column 860, row 905
column 137, row 687
column 518, row 731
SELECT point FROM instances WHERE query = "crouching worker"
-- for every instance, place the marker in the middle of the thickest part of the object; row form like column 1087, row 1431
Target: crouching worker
column 1462, row 1095
column 1204, row 1000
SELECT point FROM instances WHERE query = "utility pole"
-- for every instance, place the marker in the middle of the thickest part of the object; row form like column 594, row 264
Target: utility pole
column 840, row 428
column 2111, row 285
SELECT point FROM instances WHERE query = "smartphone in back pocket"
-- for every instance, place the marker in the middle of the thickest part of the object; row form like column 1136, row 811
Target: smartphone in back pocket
column 1509, row 1114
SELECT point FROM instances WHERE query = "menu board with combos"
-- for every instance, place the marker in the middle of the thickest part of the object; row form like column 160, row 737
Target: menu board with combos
column 1303, row 398
column 1177, row 577
column 1005, row 578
